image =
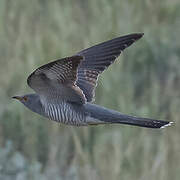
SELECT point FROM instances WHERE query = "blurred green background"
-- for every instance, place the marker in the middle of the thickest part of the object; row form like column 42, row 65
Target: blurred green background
column 144, row 81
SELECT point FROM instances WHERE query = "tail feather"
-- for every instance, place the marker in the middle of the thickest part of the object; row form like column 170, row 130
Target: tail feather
column 101, row 115
column 138, row 121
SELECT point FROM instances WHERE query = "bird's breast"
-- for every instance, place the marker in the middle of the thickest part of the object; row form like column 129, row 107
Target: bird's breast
column 64, row 113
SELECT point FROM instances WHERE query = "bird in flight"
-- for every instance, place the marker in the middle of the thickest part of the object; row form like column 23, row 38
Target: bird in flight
column 64, row 89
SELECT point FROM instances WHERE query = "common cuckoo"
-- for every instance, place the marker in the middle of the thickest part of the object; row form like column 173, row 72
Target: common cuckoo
column 64, row 89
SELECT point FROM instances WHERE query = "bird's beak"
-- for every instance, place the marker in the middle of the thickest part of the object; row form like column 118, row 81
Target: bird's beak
column 17, row 97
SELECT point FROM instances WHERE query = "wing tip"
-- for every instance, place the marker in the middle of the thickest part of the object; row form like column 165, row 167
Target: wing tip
column 136, row 36
column 140, row 35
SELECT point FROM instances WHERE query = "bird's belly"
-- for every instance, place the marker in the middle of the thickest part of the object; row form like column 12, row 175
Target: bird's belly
column 64, row 113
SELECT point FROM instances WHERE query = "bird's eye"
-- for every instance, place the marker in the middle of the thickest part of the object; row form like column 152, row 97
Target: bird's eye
column 25, row 98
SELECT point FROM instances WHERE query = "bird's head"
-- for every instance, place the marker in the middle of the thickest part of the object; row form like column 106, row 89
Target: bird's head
column 25, row 99
column 31, row 101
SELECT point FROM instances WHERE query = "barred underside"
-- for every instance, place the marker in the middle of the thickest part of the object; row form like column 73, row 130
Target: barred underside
column 64, row 113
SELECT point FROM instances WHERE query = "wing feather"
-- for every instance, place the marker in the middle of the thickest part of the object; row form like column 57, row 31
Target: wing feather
column 73, row 79
column 58, row 79
column 97, row 58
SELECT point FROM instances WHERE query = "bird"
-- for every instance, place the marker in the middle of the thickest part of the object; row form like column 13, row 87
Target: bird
column 65, row 88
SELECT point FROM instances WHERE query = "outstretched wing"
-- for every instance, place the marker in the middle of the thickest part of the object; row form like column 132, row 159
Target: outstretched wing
column 58, row 79
column 97, row 59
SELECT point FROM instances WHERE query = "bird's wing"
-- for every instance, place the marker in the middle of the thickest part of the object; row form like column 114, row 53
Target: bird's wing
column 58, row 79
column 97, row 59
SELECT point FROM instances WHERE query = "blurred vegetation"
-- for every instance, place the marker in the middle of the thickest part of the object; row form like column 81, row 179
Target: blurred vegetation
column 145, row 83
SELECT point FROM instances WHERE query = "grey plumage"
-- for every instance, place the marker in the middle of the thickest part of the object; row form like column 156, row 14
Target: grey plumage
column 65, row 88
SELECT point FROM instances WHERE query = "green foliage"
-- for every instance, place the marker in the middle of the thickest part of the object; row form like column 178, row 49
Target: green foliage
column 145, row 83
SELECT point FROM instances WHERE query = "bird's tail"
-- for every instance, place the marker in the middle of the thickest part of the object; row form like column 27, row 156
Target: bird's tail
column 101, row 115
